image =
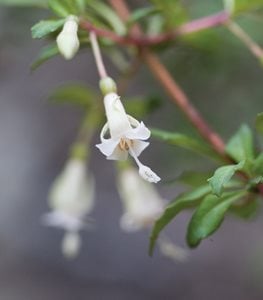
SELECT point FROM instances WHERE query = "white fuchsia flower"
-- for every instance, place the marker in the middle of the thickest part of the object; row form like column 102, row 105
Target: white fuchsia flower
column 71, row 199
column 141, row 201
column 67, row 40
column 127, row 136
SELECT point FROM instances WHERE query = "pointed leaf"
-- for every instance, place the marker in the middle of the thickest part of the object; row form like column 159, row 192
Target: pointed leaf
column 46, row 27
column 209, row 216
column 182, row 202
column 222, row 176
column 45, row 54
column 240, row 146
column 184, row 141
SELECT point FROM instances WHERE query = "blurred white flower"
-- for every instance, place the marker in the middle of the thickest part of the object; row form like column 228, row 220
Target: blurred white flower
column 172, row 251
column 142, row 203
column 127, row 135
column 71, row 244
column 67, row 40
column 71, row 199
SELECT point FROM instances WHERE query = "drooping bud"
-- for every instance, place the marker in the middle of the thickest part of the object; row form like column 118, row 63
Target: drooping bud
column 67, row 40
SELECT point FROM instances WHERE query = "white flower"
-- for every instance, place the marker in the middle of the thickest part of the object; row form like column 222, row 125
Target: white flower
column 142, row 203
column 67, row 40
column 71, row 199
column 127, row 135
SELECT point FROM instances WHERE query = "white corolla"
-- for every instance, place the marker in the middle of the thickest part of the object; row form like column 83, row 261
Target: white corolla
column 126, row 136
column 141, row 201
column 71, row 199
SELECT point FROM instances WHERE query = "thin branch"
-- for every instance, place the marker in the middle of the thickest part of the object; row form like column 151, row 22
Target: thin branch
column 97, row 55
column 144, row 40
column 172, row 88
column 254, row 48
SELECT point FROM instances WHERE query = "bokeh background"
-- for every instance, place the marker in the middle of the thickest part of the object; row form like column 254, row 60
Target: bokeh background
column 223, row 80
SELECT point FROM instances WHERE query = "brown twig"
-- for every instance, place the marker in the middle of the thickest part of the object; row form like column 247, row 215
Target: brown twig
column 141, row 40
column 171, row 87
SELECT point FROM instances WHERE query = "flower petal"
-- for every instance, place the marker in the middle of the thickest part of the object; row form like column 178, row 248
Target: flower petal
column 139, row 146
column 141, row 132
column 147, row 174
column 118, row 154
column 107, row 147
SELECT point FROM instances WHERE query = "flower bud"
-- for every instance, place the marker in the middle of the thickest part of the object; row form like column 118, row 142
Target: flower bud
column 71, row 244
column 67, row 40
column 108, row 85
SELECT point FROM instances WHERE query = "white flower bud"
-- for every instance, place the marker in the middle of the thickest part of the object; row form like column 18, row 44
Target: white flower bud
column 71, row 244
column 67, row 40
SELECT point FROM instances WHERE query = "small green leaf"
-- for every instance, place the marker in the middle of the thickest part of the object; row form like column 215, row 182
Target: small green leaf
column 259, row 123
column 61, row 8
column 182, row 202
column 222, row 176
column 45, row 54
column 209, row 215
column 193, row 179
column 73, row 94
column 141, row 13
column 240, row 146
column 173, row 11
column 185, row 141
column 46, row 27
column 258, row 164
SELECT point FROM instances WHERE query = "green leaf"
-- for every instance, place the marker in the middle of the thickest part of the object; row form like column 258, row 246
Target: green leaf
column 246, row 5
column 74, row 94
column 45, row 54
column 208, row 216
column 141, row 13
column 185, row 141
column 46, row 27
column 222, row 176
column 258, row 164
column 193, row 179
column 109, row 15
column 173, row 11
column 62, row 8
column 259, row 123
column 240, row 146
column 26, row 3
column 182, row 202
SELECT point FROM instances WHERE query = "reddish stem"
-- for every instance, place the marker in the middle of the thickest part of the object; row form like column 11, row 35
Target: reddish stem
column 143, row 40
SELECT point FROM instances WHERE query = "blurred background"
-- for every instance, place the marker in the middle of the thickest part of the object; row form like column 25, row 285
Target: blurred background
column 224, row 81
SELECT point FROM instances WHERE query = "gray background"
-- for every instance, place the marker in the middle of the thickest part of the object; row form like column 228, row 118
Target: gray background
column 34, row 140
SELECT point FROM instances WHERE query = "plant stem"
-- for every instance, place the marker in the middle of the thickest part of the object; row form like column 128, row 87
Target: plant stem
column 97, row 55
column 172, row 88
column 254, row 48
column 143, row 40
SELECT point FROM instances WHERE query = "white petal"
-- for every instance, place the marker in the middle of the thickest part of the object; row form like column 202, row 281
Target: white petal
column 147, row 174
column 71, row 244
column 116, row 115
column 128, row 224
column 139, row 146
column 141, row 132
column 107, row 147
column 118, row 154
column 62, row 220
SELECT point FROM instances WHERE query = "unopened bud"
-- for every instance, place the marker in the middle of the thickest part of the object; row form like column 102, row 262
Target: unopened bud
column 107, row 86
column 67, row 40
